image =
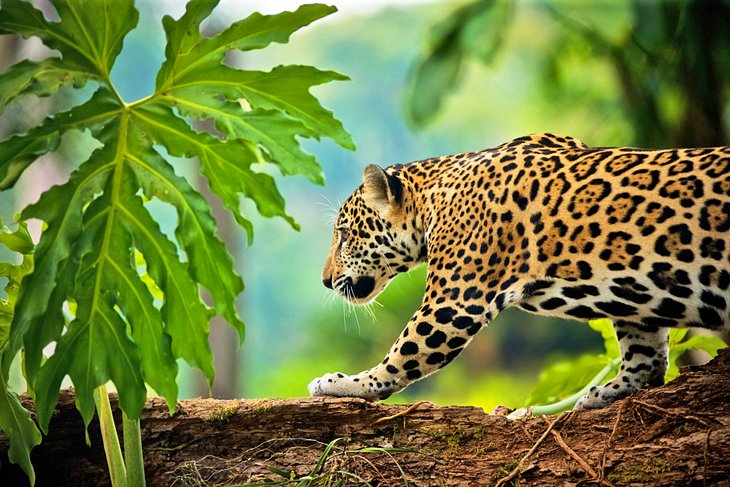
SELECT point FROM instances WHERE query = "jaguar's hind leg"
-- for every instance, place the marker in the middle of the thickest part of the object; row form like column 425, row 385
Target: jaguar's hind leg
column 644, row 351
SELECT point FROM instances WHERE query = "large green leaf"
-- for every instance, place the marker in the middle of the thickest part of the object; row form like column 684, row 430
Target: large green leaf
column 96, row 239
column 226, row 164
column 88, row 36
column 280, row 107
column 120, row 298
column 604, row 326
column 189, row 51
column 20, row 151
column 284, row 88
column 561, row 379
column 209, row 261
column 565, row 377
column 272, row 130
column 18, row 426
column 18, row 241
column 42, row 78
column 15, row 420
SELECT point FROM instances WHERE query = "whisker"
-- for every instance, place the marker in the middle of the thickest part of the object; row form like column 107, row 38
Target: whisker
column 357, row 319
column 328, row 299
column 328, row 203
column 369, row 311
column 330, row 212
column 388, row 265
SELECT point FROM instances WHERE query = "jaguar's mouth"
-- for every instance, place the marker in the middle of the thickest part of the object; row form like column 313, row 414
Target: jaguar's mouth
column 357, row 290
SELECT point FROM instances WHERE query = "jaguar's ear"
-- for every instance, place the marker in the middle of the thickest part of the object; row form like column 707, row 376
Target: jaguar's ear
column 380, row 189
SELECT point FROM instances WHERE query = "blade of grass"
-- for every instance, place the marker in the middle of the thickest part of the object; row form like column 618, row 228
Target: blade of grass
column 323, row 458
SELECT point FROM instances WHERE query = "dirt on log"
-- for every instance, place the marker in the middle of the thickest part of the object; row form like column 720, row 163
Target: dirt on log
column 677, row 434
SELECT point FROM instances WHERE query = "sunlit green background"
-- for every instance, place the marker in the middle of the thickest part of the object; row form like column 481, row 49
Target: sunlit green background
column 548, row 75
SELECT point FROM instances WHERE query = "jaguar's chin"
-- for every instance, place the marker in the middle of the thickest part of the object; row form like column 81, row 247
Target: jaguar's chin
column 360, row 291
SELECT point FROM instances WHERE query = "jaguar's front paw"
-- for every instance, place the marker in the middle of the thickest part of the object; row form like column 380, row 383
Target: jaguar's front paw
column 341, row 385
column 323, row 386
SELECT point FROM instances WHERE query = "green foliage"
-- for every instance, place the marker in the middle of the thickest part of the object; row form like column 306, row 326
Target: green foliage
column 15, row 420
column 21, row 243
column 319, row 475
column 475, row 29
column 668, row 58
column 679, row 344
column 565, row 378
column 87, row 291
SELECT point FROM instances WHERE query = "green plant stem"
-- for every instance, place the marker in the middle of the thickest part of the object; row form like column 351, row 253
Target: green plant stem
column 570, row 401
column 114, row 459
column 133, row 457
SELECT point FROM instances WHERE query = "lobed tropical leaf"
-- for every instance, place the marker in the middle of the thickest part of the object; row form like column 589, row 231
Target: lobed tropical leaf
column 20, row 151
column 279, row 107
column 273, row 131
column 15, row 420
column 209, row 261
column 98, row 236
column 86, row 50
column 119, row 298
column 18, row 426
column 188, row 52
column 226, row 164
column 18, row 241
column 42, row 78
column 285, row 88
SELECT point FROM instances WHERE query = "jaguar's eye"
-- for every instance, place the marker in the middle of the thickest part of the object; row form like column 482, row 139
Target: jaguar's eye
column 343, row 231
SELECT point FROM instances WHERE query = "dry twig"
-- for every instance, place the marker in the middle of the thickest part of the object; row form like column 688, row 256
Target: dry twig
column 584, row 465
column 399, row 414
column 610, row 438
column 516, row 471
column 668, row 412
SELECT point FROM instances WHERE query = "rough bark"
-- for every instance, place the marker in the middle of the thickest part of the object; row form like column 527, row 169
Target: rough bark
column 677, row 434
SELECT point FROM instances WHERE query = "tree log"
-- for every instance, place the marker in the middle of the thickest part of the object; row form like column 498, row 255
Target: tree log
column 677, row 434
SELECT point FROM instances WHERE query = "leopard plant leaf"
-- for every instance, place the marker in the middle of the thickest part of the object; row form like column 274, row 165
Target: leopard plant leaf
column 110, row 318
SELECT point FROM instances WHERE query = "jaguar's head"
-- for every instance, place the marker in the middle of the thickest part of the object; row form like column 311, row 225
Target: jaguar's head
column 374, row 238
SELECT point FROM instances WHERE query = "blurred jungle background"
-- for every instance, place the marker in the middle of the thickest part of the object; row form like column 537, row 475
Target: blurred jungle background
column 430, row 78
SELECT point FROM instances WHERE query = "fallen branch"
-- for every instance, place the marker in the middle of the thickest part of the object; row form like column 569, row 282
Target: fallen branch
column 677, row 434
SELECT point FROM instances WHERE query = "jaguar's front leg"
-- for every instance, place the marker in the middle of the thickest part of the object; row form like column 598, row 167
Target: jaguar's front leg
column 435, row 335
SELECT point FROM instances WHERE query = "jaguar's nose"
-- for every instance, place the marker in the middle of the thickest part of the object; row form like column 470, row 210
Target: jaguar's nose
column 327, row 281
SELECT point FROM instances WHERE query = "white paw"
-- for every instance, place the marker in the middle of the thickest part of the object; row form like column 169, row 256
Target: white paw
column 323, row 386
column 341, row 385
column 587, row 402
column 603, row 396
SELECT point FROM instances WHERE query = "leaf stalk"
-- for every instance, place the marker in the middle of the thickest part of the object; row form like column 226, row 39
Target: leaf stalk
column 133, row 454
column 570, row 401
column 114, row 459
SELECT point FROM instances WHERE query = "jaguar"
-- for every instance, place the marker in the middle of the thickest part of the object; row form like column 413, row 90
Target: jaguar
column 546, row 224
